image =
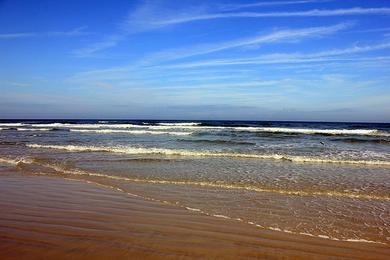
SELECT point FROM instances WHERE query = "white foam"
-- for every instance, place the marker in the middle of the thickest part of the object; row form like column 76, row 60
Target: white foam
column 8, row 161
column 34, row 129
column 111, row 131
column 193, row 209
column 221, row 216
column 199, row 127
column 11, row 124
column 178, row 152
column 313, row 131
column 14, row 161
column 179, row 124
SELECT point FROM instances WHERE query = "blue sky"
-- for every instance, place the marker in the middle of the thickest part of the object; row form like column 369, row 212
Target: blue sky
column 314, row 60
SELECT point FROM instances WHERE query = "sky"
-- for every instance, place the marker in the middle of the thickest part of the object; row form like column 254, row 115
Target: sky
column 306, row 60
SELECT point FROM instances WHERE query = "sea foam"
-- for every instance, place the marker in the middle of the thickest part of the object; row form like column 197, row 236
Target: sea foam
column 373, row 132
column 179, row 152
column 199, row 127
column 111, row 131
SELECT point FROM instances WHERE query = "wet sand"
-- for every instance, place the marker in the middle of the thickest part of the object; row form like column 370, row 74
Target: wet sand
column 46, row 217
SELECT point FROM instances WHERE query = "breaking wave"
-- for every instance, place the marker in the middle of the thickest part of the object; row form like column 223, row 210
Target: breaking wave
column 179, row 124
column 11, row 124
column 177, row 152
column 204, row 128
column 110, row 131
column 35, row 129
column 29, row 129
column 330, row 193
column 15, row 161
column 373, row 132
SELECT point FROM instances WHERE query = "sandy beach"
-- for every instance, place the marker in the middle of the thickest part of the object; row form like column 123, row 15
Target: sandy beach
column 47, row 217
column 227, row 129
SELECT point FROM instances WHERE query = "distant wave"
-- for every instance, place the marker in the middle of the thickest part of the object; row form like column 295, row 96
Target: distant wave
column 285, row 130
column 179, row 124
column 67, row 125
column 11, row 124
column 217, row 141
column 373, row 132
column 202, row 128
column 109, row 131
column 35, row 129
column 8, row 129
column 176, row 152
column 29, row 129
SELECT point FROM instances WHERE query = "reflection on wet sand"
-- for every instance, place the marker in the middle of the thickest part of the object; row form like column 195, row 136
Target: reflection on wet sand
column 52, row 217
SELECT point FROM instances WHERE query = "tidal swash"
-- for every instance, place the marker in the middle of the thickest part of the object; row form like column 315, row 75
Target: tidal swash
column 329, row 180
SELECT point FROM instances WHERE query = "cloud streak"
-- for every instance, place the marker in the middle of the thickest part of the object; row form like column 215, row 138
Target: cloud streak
column 151, row 15
column 309, row 13
column 80, row 31
column 277, row 36
column 230, row 7
column 329, row 55
column 107, row 42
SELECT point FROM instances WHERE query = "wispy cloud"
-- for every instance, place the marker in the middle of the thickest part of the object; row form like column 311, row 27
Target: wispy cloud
column 7, row 36
column 309, row 13
column 278, row 58
column 15, row 84
column 230, row 7
column 152, row 15
column 150, row 63
column 107, row 42
column 276, row 36
column 80, row 31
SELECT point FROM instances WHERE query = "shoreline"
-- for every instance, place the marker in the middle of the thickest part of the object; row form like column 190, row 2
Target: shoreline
column 47, row 217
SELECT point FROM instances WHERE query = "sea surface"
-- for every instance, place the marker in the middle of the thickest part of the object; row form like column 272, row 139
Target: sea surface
column 328, row 180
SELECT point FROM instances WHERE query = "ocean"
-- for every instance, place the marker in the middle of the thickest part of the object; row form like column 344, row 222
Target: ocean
column 328, row 180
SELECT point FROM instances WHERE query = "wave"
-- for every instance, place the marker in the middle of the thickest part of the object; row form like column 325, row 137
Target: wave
column 218, row 141
column 144, row 160
column 67, row 172
column 179, row 124
column 68, row 125
column 240, row 186
column 284, row 130
column 201, row 127
column 29, row 129
column 15, row 161
column 360, row 140
column 8, row 129
column 11, row 124
column 109, row 131
column 175, row 152
column 373, row 132
column 35, row 129
column 8, row 161
column 330, row 193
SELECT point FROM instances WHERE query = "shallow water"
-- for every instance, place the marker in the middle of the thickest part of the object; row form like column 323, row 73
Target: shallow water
column 328, row 180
